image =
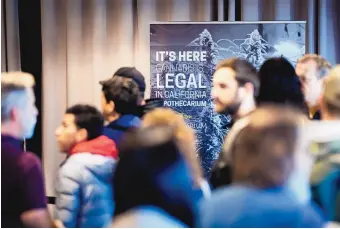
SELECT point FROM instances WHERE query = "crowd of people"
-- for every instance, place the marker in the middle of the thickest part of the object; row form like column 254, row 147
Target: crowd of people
column 134, row 163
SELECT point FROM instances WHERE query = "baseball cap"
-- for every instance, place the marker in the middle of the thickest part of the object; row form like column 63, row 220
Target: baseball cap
column 332, row 87
column 133, row 73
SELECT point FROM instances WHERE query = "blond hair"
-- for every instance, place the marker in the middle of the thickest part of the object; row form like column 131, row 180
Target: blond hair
column 335, row 72
column 184, row 134
column 331, row 92
column 323, row 66
column 14, row 86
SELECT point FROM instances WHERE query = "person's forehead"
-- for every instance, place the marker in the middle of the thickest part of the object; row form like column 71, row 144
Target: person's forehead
column 224, row 75
column 310, row 63
column 69, row 118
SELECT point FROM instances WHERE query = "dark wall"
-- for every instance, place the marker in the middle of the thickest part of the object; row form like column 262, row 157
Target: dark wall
column 31, row 59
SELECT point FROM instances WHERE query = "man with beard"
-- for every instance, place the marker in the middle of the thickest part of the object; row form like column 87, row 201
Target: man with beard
column 235, row 85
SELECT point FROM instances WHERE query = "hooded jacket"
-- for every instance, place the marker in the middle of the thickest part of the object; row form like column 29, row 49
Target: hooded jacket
column 84, row 189
column 116, row 129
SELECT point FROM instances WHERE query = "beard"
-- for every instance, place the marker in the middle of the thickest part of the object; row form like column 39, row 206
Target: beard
column 233, row 107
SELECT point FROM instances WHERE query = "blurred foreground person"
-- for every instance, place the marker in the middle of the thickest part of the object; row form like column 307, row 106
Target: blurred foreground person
column 263, row 154
column 187, row 140
column 152, row 173
column 326, row 172
column 146, row 217
column 280, row 85
column 312, row 70
column 22, row 186
column 84, row 187
column 235, row 85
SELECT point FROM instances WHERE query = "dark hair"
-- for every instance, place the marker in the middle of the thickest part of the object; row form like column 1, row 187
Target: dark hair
column 151, row 171
column 133, row 73
column 89, row 118
column 123, row 92
column 262, row 152
column 245, row 72
column 280, row 84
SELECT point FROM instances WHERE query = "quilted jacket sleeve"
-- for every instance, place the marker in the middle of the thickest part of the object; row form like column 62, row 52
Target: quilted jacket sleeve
column 68, row 195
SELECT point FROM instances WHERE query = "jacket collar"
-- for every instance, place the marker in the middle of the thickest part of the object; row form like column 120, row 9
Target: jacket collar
column 101, row 145
column 128, row 121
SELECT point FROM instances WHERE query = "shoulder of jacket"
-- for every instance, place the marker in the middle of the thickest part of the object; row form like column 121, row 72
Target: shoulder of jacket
column 73, row 166
column 83, row 160
column 87, row 158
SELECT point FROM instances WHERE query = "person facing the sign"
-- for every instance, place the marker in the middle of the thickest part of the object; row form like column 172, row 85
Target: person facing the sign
column 146, row 105
column 187, row 141
column 280, row 85
column 120, row 99
column 153, row 174
column 235, row 84
column 135, row 75
column 312, row 69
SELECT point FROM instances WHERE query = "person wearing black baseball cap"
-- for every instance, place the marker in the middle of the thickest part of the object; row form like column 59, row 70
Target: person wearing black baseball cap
column 137, row 76
column 120, row 101
column 133, row 73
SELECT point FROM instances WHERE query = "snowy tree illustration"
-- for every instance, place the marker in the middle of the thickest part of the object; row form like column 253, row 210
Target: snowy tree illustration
column 210, row 138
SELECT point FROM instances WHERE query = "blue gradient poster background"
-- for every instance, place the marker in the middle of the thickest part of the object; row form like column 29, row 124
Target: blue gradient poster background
column 183, row 57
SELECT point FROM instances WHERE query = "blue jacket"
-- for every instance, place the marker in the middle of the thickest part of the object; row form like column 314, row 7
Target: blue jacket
column 146, row 216
column 241, row 206
column 117, row 128
column 84, row 185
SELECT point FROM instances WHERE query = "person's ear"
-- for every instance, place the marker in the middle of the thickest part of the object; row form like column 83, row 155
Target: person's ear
column 14, row 114
column 111, row 106
column 81, row 135
column 249, row 88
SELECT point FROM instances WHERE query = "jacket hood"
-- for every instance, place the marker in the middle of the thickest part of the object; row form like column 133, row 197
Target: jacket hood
column 101, row 145
column 127, row 121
